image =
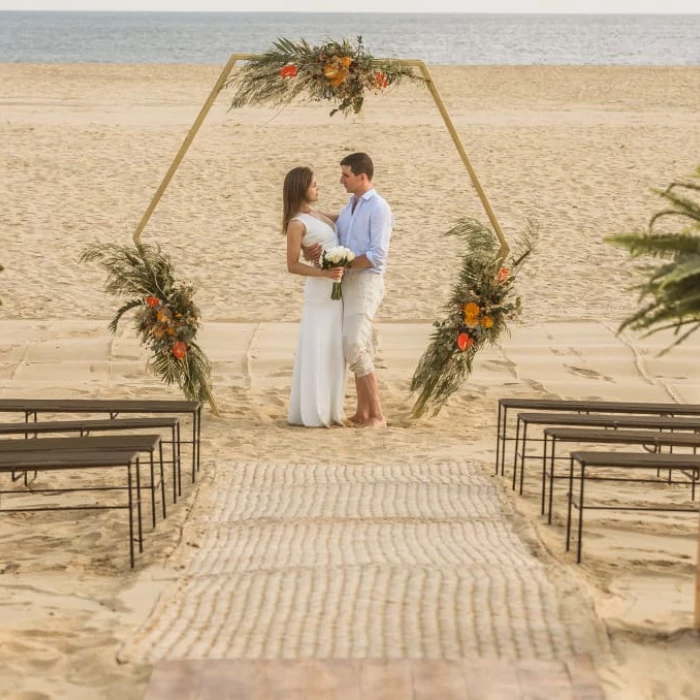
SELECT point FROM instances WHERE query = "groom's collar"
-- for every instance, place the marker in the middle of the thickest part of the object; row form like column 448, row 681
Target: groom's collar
column 367, row 195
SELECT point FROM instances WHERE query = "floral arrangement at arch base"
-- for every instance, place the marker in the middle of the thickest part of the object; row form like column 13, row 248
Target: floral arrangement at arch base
column 339, row 72
column 481, row 304
column 165, row 315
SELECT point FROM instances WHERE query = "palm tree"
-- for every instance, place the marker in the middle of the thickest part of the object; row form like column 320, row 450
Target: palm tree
column 670, row 294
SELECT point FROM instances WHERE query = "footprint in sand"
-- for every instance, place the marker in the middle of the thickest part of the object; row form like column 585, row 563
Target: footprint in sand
column 588, row 373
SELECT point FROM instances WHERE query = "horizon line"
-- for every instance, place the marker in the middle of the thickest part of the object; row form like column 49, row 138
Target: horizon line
column 359, row 12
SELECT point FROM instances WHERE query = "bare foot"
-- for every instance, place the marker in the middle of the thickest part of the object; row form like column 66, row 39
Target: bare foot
column 375, row 423
column 357, row 419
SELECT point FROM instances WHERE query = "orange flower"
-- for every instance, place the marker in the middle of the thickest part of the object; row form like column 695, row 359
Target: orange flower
column 503, row 274
column 335, row 73
column 179, row 349
column 152, row 301
column 288, row 71
column 381, row 80
column 346, row 61
column 471, row 309
column 487, row 322
column 464, row 341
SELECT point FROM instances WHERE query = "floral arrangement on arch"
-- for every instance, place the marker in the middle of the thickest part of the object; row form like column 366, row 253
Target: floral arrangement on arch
column 166, row 317
column 481, row 304
column 340, row 72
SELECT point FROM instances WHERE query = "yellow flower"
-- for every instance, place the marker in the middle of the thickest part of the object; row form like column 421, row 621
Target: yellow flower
column 487, row 322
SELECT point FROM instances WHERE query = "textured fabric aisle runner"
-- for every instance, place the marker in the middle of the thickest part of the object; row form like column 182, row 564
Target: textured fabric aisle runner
column 328, row 561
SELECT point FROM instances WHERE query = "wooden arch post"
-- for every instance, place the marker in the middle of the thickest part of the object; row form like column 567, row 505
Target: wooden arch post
column 218, row 86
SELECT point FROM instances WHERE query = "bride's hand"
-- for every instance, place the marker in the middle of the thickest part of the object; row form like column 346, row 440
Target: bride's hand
column 335, row 273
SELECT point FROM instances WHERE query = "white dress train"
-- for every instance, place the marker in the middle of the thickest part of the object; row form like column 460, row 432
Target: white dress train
column 318, row 380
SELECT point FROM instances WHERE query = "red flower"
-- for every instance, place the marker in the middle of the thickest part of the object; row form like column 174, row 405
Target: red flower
column 288, row 71
column 153, row 301
column 381, row 80
column 464, row 341
column 503, row 274
column 179, row 349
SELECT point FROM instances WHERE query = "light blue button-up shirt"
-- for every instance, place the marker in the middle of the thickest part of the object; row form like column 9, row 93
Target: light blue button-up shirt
column 367, row 230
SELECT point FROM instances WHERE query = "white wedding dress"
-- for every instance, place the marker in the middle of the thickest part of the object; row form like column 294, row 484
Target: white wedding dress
column 318, row 381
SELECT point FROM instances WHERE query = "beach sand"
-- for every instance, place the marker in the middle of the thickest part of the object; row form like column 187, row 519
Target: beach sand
column 577, row 150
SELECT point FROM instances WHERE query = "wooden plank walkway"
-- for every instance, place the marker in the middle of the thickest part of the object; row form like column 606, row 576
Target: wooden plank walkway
column 315, row 679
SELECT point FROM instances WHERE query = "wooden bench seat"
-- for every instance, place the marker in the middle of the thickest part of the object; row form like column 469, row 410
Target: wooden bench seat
column 600, row 420
column 588, row 461
column 31, row 408
column 110, row 443
column 62, row 460
column 86, row 426
column 576, row 406
column 646, row 438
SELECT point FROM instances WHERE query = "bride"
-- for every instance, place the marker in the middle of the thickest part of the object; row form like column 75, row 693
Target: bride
column 318, row 381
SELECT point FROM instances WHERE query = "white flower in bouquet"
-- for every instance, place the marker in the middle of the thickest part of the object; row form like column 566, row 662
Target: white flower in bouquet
column 338, row 256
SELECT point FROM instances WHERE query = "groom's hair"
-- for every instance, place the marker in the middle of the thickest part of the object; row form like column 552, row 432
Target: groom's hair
column 359, row 163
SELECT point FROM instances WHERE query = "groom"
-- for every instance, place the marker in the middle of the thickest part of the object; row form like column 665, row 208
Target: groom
column 364, row 226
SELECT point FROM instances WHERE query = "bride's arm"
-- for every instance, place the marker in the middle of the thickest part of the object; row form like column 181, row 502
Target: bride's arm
column 295, row 232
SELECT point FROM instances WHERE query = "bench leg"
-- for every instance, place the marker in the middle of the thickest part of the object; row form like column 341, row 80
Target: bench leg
column 503, row 444
column 131, row 516
column 571, row 496
column 522, row 459
column 153, row 490
column 552, row 462
column 138, row 502
column 498, row 437
column 580, row 516
column 544, row 472
column 179, row 462
column 162, row 478
column 515, row 451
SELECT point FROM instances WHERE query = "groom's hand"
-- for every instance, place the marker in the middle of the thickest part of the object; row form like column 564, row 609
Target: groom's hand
column 312, row 253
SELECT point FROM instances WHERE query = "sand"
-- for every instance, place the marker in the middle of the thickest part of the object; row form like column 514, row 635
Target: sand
column 577, row 150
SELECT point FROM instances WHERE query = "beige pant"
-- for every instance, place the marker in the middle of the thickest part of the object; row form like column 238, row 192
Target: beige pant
column 362, row 295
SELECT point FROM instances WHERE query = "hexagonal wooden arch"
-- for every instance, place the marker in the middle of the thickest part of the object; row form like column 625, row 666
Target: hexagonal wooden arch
column 218, row 86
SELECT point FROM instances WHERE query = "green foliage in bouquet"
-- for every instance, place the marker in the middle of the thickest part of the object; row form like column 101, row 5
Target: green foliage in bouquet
column 340, row 72
column 165, row 315
column 670, row 295
column 481, row 304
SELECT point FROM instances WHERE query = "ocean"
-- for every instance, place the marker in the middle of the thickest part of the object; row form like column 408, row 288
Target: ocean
column 438, row 39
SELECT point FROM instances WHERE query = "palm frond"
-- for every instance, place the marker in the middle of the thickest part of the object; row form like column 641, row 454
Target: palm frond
column 669, row 292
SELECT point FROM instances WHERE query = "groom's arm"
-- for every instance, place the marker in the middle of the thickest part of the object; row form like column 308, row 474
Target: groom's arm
column 381, row 223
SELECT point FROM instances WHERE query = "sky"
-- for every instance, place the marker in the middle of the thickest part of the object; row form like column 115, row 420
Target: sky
column 494, row 6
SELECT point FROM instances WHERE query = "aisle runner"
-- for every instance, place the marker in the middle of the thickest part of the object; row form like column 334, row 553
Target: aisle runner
column 401, row 561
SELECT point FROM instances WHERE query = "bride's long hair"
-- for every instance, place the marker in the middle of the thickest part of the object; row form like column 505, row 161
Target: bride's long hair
column 296, row 184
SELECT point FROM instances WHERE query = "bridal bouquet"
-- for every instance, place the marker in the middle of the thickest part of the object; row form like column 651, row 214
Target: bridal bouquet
column 336, row 257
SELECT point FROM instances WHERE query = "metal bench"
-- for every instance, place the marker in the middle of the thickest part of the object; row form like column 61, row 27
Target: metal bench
column 110, row 443
column 575, row 406
column 87, row 426
column 114, row 407
column 619, row 460
column 55, row 461
column 599, row 420
column 651, row 440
